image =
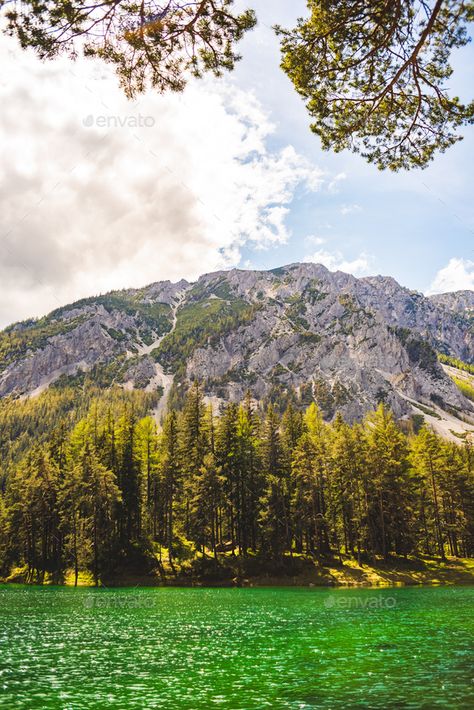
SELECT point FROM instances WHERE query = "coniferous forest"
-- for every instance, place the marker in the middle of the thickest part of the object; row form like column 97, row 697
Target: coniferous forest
column 113, row 487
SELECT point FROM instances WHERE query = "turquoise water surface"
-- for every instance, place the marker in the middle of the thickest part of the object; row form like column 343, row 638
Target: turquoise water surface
column 236, row 648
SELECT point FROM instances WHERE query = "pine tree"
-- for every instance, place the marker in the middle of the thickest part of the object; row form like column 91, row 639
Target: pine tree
column 171, row 478
column 34, row 514
column 292, row 428
column 466, row 498
column 387, row 461
column 128, row 476
column 206, row 505
column 147, row 445
column 193, row 444
column 427, row 458
column 5, row 553
column 96, row 495
column 251, row 477
column 317, row 432
column 72, row 496
column 275, row 503
column 306, row 512
column 346, row 489
column 273, row 517
column 227, row 455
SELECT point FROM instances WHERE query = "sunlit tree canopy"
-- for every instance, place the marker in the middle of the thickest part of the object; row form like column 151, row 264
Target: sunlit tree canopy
column 375, row 75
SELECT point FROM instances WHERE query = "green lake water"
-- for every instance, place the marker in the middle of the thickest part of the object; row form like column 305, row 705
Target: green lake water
column 236, row 648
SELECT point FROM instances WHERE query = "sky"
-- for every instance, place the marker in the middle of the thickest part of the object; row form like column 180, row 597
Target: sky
column 98, row 193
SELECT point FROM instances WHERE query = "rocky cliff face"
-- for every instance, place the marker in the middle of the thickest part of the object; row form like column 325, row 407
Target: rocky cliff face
column 460, row 302
column 299, row 332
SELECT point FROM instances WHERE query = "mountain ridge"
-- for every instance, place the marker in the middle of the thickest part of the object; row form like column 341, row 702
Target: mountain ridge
column 296, row 333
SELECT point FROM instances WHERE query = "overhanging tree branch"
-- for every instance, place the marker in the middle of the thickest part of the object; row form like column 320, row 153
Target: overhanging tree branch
column 350, row 72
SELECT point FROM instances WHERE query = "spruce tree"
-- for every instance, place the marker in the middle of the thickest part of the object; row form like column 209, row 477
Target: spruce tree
column 427, row 457
column 170, row 475
column 275, row 503
column 390, row 483
column 206, row 504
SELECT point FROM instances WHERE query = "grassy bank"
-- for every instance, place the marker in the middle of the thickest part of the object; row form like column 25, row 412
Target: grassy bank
column 230, row 571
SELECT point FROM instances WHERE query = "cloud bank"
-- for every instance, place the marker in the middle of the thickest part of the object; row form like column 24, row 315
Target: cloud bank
column 97, row 193
column 457, row 275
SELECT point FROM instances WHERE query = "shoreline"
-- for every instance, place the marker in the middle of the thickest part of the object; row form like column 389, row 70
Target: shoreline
column 291, row 572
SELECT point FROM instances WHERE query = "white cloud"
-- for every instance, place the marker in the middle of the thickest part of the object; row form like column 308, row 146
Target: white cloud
column 350, row 209
column 314, row 239
column 335, row 261
column 457, row 275
column 335, row 184
column 97, row 193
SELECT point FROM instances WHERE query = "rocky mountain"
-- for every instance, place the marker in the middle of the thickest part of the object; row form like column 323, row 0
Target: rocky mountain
column 298, row 333
column 461, row 302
